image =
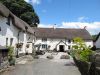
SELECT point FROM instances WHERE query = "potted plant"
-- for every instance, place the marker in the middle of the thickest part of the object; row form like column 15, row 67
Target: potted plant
column 19, row 45
column 27, row 46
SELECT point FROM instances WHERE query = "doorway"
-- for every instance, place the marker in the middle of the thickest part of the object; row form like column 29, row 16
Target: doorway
column 61, row 48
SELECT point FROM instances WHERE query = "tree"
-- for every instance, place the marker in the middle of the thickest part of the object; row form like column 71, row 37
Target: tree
column 23, row 10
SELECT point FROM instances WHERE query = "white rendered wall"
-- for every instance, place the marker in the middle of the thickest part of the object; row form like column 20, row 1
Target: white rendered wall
column 53, row 42
column 10, row 31
column 7, row 32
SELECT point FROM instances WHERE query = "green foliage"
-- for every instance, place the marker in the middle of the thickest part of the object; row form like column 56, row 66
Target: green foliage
column 23, row 10
column 80, row 50
column 11, row 55
column 84, row 54
column 30, row 18
column 10, row 51
column 79, row 44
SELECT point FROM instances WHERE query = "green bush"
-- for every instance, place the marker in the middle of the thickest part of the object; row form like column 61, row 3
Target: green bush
column 80, row 50
column 11, row 55
column 10, row 51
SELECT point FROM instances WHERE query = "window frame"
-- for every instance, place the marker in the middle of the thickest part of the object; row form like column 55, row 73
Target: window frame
column 6, row 41
column 44, row 39
column 44, row 46
column 8, row 21
column 69, row 41
column 11, row 41
column 69, row 47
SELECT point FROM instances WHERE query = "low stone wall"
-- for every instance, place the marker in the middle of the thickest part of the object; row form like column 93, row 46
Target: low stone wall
column 4, row 64
column 82, row 66
column 97, row 71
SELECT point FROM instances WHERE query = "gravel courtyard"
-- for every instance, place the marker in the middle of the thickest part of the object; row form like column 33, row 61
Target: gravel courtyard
column 44, row 67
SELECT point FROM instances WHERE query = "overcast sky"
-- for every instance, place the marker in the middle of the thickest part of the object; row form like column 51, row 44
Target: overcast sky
column 68, row 13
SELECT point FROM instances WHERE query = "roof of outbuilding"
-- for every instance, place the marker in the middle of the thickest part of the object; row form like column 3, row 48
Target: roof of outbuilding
column 62, row 33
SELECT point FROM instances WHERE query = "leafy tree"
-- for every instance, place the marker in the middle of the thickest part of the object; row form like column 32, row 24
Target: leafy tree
column 23, row 10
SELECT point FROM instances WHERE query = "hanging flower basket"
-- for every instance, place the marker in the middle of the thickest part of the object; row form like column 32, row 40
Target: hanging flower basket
column 27, row 45
column 19, row 45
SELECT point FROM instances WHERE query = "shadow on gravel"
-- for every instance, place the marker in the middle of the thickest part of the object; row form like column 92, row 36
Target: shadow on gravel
column 70, row 64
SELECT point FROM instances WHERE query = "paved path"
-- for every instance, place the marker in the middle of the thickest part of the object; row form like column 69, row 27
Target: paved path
column 44, row 67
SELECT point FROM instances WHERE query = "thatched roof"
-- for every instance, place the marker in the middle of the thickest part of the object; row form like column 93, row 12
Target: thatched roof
column 21, row 24
column 3, row 10
column 62, row 33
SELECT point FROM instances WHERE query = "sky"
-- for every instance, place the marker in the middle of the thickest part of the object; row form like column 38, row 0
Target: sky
column 68, row 13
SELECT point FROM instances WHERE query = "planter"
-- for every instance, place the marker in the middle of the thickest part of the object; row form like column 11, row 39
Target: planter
column 82, row 66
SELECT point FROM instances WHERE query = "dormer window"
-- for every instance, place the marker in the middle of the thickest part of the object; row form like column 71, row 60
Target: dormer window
column 8, row 21
column 69, row 41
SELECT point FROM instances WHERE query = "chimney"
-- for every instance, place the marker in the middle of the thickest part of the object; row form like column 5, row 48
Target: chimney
column 85, row 27
column 54, row 26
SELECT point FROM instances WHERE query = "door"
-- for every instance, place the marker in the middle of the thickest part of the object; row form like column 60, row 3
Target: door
column 61, row 48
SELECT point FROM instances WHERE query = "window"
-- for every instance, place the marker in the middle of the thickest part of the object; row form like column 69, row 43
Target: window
column 6, row 41
column 8, row 21
column 44, row 46
column 44, row 39
column 11, row 41
column 69, row 41
column 68, row 47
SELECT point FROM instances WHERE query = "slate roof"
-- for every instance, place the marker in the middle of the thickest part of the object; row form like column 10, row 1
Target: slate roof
column 4, row 11
column 62, row 33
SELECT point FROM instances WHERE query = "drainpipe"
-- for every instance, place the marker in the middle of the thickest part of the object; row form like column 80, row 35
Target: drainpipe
column 33, row 51
column 26, row 28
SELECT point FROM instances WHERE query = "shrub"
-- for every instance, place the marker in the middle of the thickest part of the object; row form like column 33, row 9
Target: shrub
column 11, row 55
column 80, row 50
